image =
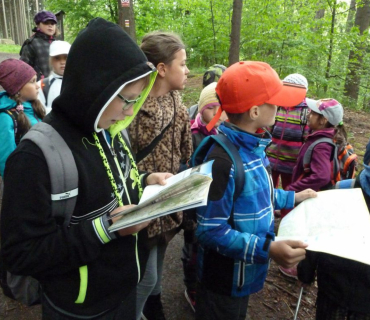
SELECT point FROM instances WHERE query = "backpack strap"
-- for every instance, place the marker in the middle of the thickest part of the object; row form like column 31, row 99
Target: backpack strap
column 13, row 113
column 62, row 169
column 149, row 148
column 308, row 155
column 45, row 86
column 200, row 155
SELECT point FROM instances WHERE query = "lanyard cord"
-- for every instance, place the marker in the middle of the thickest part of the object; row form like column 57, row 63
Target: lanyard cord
column 134, row 171
column 134, row 174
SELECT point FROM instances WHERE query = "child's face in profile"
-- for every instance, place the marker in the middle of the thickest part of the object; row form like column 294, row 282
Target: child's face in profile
column 208, row 115
column 267, row 113
column 116, row 111
column 47, row 27
column 315, row 121
column 58, row 63
column 177, row 72
column 30, row 90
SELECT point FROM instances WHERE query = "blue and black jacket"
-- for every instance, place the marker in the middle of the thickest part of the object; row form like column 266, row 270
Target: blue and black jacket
column 234, row 251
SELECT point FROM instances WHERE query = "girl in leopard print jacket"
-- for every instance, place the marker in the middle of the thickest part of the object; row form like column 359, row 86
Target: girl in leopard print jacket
column 161, row 138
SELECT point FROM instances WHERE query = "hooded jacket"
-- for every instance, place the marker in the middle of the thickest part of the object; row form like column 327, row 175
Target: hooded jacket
column 320, row 164
column 83, row 269
column 35, row 52
column 7, row 130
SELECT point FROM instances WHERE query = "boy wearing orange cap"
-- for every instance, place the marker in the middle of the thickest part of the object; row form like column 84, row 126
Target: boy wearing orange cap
column 237, row 237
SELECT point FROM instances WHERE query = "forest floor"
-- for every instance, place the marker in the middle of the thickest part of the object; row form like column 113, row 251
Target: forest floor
column 277, row 300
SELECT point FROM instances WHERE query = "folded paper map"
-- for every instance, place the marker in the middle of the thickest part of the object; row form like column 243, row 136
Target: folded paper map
column 186, row 190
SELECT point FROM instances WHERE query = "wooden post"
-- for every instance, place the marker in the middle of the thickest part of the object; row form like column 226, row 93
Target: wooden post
column 126, row 17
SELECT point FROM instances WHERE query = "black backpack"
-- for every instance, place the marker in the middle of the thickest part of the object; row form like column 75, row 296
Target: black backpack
column 64, row 190
column 200, row 155
column 13, row 113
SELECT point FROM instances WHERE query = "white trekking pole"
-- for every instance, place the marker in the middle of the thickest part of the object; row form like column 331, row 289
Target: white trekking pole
column 298, row 303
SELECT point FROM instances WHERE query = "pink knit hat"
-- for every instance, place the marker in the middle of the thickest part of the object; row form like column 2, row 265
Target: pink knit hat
column 14, row 74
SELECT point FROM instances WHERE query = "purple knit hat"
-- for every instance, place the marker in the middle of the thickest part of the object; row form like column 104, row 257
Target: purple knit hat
column 14, row 74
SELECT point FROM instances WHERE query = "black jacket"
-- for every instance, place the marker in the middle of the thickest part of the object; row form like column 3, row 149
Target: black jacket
column 35, row 52
column 102, row 59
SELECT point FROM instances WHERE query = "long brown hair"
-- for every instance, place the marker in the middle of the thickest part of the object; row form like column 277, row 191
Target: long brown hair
column 340, row 133
column 23, row 123
column 161, row 46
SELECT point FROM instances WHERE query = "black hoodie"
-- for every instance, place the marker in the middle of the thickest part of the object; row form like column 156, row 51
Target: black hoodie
column 83, row 269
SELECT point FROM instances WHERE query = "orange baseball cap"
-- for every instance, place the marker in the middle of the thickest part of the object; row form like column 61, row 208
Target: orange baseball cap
column 252, row 83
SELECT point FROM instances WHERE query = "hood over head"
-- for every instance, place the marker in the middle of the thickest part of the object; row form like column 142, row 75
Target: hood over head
column 101, row 61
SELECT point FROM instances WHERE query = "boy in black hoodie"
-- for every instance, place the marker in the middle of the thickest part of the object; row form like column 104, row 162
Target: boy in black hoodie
column 85, row 272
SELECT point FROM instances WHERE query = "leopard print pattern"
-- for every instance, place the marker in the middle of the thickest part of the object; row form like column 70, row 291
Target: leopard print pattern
column 175, row 146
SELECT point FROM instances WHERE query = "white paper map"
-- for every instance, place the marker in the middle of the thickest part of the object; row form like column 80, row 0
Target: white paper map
column 186, row 190
column 336, row 222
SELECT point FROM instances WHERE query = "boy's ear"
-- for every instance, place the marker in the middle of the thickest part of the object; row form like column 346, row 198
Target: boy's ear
column 254, row 112
column 161, row 67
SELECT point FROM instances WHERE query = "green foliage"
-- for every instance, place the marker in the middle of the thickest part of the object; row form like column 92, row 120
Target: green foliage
column 285, row 33
column 190, row 95
column 10, row 48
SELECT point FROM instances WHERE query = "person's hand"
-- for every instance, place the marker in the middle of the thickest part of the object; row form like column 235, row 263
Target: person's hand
column 158, row 178
column 287, row 253
column 130, row 230
column 305, row 194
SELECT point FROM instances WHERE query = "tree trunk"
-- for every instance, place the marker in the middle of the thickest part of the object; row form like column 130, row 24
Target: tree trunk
column 235, row 32
column 330, row 54
column 214, row 34
column 352, row 85
column 351, row 15
column 126, row 17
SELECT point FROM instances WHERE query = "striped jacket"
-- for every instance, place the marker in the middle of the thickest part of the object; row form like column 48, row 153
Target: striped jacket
column 288, row 135
column 234, row 252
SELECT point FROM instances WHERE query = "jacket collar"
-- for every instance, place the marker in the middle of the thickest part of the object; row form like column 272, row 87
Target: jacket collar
column 244, row 140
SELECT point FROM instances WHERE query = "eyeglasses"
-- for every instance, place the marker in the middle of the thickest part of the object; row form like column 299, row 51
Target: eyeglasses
column 129, row 103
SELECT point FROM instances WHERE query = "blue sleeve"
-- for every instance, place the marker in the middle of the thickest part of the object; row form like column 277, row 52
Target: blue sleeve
column 283, row 199
column 367, row 154
column 7, row 139
column 213, row 230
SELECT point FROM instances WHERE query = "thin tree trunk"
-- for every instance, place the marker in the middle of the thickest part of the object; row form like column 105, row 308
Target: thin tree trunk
column 331, row 44
column 126, row 18
column 235, row 32
column 214, row 33
column 351, row 15
column 355, row 59
column 5, row 23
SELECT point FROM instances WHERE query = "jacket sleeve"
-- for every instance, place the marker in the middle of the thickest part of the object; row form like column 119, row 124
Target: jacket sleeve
column 32, row 242
column 7, row 139
column 283, row 199
column 28, row 55
column 213, row 229
column 307, row 267
column 320, row 175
